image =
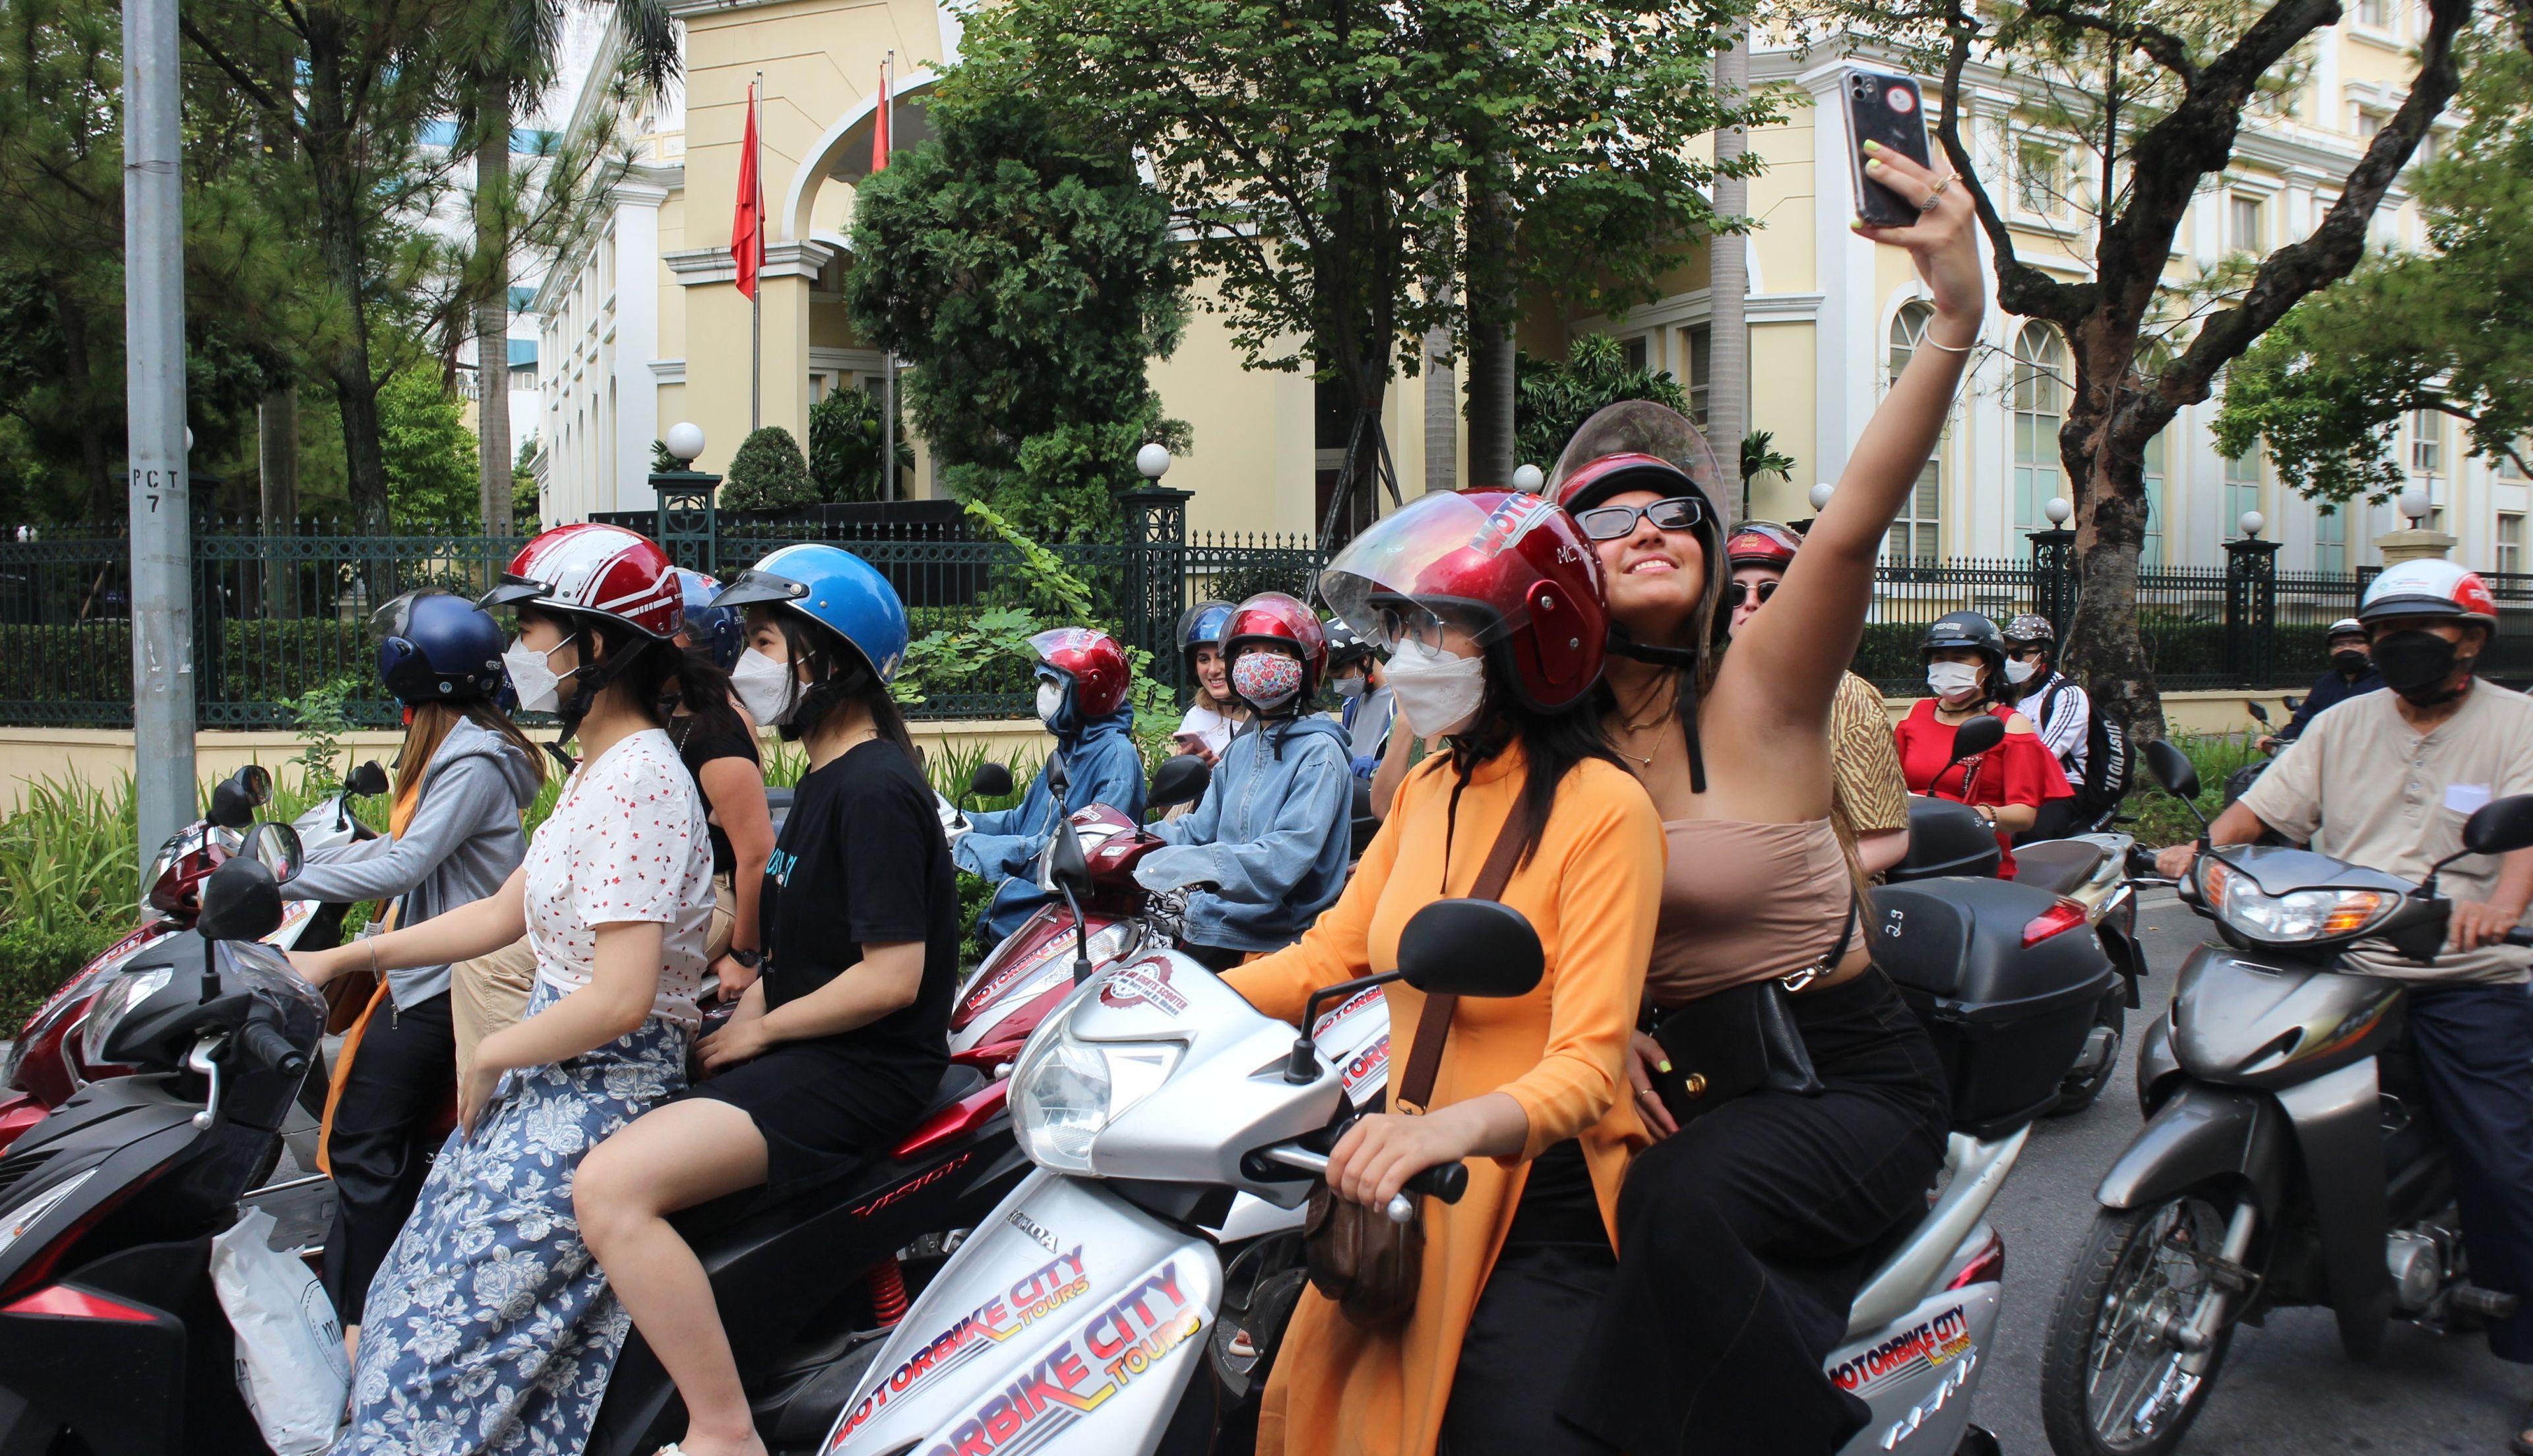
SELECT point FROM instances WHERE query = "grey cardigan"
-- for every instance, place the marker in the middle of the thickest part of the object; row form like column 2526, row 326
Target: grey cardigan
column 463, row 844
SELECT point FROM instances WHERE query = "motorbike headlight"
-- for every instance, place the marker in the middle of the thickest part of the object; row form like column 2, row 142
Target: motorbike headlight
column 1066, row 1091
column 2298, row 915
column 115, row 1000
column 17, row 1222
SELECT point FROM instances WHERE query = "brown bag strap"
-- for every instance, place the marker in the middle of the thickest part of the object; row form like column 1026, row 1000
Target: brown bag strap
column 1435, row 1023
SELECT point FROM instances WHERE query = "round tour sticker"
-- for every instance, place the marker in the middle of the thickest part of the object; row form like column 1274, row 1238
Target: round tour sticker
column 1901, row 99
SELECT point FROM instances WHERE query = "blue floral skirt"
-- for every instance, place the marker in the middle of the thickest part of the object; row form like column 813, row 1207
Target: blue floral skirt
column 490, row 1328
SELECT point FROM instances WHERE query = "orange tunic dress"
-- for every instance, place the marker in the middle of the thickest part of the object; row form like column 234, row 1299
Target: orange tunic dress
column 1592, row 889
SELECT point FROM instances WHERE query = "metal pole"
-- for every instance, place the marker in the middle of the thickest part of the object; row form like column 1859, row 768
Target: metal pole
column 756, row 295
column 154, row 340
column 888, row 357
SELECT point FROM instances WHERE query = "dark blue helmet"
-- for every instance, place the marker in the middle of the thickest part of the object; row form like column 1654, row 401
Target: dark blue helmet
column 436, row 648
column 1202, row 625
column 721, row 632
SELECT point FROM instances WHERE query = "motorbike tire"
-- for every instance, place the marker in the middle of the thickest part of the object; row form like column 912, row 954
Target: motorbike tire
column 2100, row 1285
column 2082, row 1088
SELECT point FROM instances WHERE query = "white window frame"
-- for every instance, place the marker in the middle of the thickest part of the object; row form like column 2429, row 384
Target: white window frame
column 1919, row 523
column 2038, row 397
column 2510, row 553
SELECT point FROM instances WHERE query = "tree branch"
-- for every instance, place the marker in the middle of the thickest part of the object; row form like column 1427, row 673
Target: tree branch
column 2021, row 288
column 243, row 80
column 2160, row 46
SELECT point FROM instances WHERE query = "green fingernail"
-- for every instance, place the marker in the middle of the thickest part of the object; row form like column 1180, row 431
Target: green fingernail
column 1872, row 146
column 1665, row 1065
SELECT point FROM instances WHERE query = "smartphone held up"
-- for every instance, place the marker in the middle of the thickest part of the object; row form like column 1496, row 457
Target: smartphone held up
column 1889, row 111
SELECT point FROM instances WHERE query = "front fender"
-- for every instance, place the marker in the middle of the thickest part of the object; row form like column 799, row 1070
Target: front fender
column 2203, row 1133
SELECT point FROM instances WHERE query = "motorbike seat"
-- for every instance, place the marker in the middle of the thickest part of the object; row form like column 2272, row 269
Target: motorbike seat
column 957, row 1084
column 2057, row 866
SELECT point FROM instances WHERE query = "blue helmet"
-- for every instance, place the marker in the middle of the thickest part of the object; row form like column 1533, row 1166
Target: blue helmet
column 834, row 589
column 436, row 648
column 720, row 631
column 1202, row 625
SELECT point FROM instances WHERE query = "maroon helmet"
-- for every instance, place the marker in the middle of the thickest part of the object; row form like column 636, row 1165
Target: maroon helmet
column 1094, row 662
column 1762, row 544
column 1273, row 616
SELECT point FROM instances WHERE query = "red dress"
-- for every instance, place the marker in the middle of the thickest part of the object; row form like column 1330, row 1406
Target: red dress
column 2018, row 771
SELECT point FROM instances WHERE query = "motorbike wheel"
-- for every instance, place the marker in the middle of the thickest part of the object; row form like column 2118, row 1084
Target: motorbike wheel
column 2113, row 1380
column 2082, row 1088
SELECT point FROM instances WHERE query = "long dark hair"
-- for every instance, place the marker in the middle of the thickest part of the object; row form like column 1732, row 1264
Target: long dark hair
column 429, row 727
column 839, row 673
column 713, row 719
column 1553, row 744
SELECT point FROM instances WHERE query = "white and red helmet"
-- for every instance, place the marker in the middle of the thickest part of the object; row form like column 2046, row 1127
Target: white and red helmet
column 595, row 570
column 2429, row 589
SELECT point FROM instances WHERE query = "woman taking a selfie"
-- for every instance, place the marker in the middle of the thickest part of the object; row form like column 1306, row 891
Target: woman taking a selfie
column 1742, row 1230
column 489, row 1322
column 1488, row 604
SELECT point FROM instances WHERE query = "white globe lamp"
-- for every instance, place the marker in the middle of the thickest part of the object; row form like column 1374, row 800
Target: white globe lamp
column 2253, row 524
column 1820, row 494
column 2415, row 505
column 1528, row 480
column 685, row 440
column 1153, row 460
column 2057, row 510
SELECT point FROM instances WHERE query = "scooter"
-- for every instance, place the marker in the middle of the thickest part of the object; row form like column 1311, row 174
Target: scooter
column 1075, row 1318
column 50, row 1059
column 2288, row 1157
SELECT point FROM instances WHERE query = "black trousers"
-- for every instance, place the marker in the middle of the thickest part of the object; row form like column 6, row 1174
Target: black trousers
column 1532, row 1319
column 2474, row 1048
column 398, row 1084
column 2054, row 820
column 1744, row 1237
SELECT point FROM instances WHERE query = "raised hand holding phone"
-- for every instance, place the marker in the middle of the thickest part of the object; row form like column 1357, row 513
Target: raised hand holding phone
column 1885, row 114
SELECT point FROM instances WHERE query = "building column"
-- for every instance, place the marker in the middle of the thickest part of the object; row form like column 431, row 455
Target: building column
column 637, row 340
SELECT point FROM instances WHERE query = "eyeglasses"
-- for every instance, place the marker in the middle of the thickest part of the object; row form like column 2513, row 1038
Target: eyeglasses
column 1616, row 522
column 1737, row 591
column 1394, row 625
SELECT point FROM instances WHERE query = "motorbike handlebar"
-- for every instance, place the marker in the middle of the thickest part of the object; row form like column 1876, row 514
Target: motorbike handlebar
column 2521, row 936
column 269, row 1047
column 1448, row 1182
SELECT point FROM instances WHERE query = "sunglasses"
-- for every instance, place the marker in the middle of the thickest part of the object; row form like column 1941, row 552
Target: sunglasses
column 2027, row 652
column 1617, row 522
column 1737, row 591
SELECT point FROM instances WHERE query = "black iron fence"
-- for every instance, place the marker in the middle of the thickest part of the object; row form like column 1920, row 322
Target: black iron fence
column 276, row 616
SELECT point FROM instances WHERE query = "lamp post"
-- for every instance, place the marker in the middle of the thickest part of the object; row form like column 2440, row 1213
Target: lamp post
column 2251, row 601
column 1155, row 558
column 2053, row 575
column 689, row 528
column 160, row 498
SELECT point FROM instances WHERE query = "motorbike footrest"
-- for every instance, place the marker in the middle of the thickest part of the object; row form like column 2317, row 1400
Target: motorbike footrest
column 2488, row 1304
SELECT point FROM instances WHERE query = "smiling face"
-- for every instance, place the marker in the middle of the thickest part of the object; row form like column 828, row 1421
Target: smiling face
column 1655, row 577
column 1752, row 580
column 1213, row 678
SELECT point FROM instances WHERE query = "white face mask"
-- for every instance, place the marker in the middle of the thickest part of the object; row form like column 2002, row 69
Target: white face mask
column 1050, row 702
column 1350, row 687
column 1951, row 680
column 764, row 687
column 1436, row 691
column 539, row 689
column 2020, row 673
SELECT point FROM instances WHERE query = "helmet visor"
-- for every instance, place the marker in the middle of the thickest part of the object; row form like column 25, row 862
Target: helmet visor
column 1444, row 562
column 394, row 618
column 755, row 587
column 1049, row 643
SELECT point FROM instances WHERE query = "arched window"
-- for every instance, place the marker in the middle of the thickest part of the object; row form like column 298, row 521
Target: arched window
column 1914, row 534
column 2040, row 408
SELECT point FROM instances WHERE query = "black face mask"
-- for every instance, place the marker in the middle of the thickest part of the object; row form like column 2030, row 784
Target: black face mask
column 2350, row 664
column 2416, row 665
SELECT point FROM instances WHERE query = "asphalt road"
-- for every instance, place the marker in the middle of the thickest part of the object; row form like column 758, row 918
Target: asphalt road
column 2284, row 1387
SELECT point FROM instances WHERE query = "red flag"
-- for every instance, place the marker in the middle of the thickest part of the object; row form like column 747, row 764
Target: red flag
column 879, row 128
column 747, row 227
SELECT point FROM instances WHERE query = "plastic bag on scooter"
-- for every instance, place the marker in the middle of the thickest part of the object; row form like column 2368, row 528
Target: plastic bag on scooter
column 290, row 1362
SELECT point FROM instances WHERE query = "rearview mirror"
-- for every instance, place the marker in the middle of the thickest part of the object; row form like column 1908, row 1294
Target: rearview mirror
column 2258, row 713
column 1066, row 867
column 1058, row 778
column 1180, row 780
column 241, row 901
column 366, row 781
column 1470, row 948
column 2171, row 768
column 276, row 847
column 990, row 781
column 1977, row 736
column 2500, row 826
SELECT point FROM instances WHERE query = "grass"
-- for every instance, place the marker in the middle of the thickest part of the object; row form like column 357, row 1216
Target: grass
column 2161, row 819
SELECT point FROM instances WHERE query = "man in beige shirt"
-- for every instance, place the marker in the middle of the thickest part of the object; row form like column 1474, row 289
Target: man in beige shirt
column 2385, row 781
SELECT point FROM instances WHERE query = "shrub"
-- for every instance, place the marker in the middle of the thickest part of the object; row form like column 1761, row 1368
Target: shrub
column 34, row 961
column 67, row 860
column 844, row 447
column 768, row 473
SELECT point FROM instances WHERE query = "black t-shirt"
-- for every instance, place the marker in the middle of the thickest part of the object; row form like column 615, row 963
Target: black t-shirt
column 862, row 859
column 697, row 748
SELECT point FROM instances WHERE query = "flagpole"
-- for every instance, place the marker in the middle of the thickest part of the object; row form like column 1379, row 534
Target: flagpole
column 756, row 295
column 888, row 357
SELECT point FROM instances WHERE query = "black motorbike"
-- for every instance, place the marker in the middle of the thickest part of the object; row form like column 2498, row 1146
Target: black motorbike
column 2288, row 1157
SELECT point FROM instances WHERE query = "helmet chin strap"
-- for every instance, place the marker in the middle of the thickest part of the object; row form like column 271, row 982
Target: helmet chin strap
column 1683, row 657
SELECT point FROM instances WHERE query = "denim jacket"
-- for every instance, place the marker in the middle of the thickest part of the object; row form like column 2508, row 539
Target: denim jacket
column 1004, row 845
column 1272, row 835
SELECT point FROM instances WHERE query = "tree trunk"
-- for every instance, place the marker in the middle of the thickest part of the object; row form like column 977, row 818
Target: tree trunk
column 277, row 461
column 96, row 468
column 1493, row 303
column 492, row 309
column 336, row 175
column 2103, row 446
column 1441, row 414
column 1727, row 405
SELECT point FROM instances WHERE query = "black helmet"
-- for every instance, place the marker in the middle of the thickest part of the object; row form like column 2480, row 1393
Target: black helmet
column 1969, row 629
column 1347, row 647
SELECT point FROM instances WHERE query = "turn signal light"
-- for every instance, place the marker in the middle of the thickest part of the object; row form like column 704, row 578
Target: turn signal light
column 1987, row 1266
column 2059, row 918
column 70, row 1303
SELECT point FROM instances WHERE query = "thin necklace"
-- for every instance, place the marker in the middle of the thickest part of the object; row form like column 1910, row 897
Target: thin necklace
column 1667, row 681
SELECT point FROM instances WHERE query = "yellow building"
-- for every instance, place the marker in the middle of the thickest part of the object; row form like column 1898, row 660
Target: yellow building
column 644, row 326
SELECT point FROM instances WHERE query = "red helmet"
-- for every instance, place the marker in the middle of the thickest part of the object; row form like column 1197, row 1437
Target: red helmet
column 1511, row 566
column 1273, row 616
column 595, row 571
column 1761, row 543
column 1093, row 660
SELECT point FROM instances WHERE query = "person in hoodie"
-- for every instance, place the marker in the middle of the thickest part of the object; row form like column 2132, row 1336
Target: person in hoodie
column 1266, row 850
column 462, row 779
column 1082, row 678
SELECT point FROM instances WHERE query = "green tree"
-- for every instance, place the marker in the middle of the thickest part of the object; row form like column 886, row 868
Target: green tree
column 1025, row 273
column 1320, row 157
column 768, row 474
column 845, row 446
column 429, row 451
column 1553, row 397
column 2449, row 329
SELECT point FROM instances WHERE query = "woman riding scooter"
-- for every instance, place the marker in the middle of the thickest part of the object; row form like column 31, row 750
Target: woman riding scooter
column 488, row 1326
column 1745, row 1232
column 1082, row 681
column 463, row 777
column 1216, row 713
column 1964, row 658
column 834, row 1053
column 1266, row 851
